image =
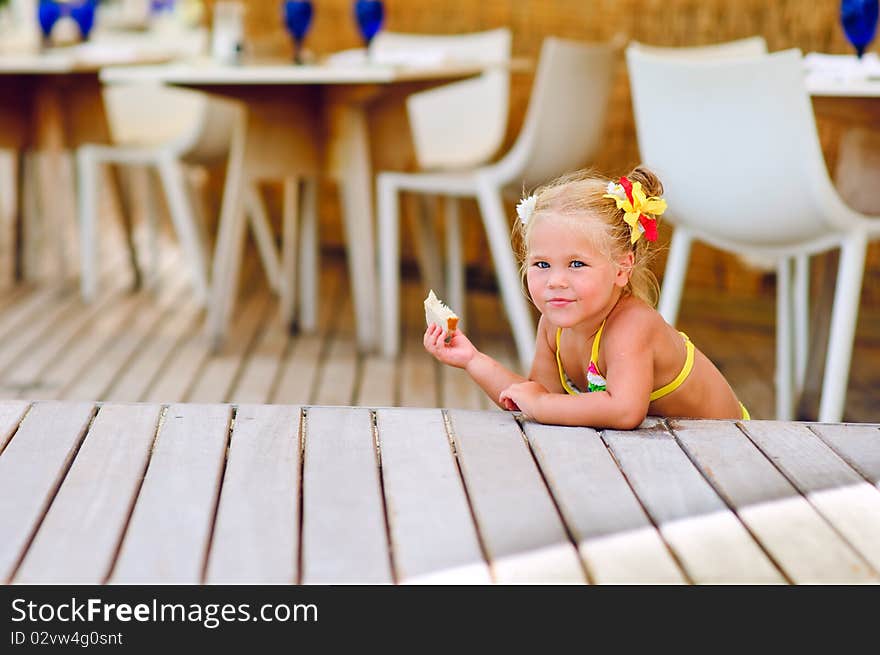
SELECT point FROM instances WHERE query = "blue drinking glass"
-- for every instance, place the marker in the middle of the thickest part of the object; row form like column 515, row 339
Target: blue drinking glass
column 84, row 15
column 369, row 15
column 50, row 12
column 297, row 19
column 859, row 20
column 159, row 6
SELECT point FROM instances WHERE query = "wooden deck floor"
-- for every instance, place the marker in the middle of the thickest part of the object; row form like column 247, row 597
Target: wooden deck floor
column 149, row 347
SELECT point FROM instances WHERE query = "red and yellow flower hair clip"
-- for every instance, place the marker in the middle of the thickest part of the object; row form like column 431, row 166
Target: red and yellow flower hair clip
column 640, row 211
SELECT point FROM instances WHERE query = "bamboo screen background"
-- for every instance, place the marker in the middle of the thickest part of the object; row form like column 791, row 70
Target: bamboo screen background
column 810, row 26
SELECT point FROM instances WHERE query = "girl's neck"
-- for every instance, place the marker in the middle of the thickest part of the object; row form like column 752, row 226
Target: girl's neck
column 589, row 326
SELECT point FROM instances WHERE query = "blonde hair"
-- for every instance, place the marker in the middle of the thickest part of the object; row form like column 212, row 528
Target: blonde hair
column 578, row 197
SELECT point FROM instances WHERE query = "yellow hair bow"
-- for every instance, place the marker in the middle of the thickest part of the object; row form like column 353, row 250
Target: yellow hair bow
column 640, row 211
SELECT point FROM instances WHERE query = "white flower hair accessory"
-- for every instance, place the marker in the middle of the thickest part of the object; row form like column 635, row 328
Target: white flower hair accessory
column 525, row 208
column 614, row 189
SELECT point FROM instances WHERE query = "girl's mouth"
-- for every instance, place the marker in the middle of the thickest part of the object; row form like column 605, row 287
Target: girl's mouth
column 559, row 302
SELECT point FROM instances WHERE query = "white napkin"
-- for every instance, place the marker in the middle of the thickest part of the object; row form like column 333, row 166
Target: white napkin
column 409, row 58
column 843, row 66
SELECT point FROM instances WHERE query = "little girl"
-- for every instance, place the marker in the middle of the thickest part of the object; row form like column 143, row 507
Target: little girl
column 604, row 356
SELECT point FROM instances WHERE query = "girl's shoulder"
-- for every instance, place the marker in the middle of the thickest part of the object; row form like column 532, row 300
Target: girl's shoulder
column 634, row 319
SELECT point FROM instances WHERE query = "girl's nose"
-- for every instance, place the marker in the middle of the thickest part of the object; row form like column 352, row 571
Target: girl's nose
column 557, row 280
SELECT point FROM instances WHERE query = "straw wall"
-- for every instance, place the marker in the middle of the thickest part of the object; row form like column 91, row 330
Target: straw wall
column 784, row 23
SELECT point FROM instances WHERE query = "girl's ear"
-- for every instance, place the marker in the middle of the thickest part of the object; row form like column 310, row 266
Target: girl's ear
column 624, row 269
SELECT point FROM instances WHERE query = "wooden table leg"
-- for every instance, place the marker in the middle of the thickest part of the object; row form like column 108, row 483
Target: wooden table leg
column 50, row 141
column 350, row 166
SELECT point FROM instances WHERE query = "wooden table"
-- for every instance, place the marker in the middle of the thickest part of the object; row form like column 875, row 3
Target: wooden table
column 336, row 118
column 286, row 494
column 52, row 102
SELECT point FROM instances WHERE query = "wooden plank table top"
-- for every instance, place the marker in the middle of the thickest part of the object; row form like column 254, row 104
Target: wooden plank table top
column 112, row 493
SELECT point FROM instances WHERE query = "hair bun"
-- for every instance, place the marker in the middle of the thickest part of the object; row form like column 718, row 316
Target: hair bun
column 651, row 184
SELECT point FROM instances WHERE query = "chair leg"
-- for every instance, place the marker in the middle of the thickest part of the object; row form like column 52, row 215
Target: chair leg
column 290, row 236
column 455, row 273
column 784, row 378
column 143, row 184
column 801, row 318
column 498, row 233
column 8, row 204
column 422, row 209
column 87, row 181
column 389, row 264
column 844, row 315
column 172, row 177
column 674, row 275
column 308, row 257
column 262, row 231
column 32, row 227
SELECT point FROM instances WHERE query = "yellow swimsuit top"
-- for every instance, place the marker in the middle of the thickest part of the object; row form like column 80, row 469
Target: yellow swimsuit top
column 596, row 381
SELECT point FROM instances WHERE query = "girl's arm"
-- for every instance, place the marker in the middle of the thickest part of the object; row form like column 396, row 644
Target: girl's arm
column 461, row 353
column 624, row 405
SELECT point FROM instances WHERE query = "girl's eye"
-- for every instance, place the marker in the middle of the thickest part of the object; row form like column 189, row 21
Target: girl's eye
column 577, row 263
column 542, row 264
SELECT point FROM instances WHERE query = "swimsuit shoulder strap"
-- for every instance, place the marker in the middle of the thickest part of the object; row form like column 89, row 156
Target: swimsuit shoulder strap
column 594, row 355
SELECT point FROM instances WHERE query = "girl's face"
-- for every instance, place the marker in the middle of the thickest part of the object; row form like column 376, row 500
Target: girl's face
column 570, row 280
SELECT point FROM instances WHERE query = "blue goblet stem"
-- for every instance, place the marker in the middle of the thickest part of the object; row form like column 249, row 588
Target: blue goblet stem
column 297, row 19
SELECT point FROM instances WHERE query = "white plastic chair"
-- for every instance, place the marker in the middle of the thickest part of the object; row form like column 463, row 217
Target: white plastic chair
column 562, row 129
column 734, row 141
column 165, row 129
column 455, row 126
column 749, row 46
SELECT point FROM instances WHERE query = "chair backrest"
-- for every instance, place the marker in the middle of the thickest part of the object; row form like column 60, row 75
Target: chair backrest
column 753, row 45
column 734, row 141
column 151, row 114
column 565, row 119
column 462, row 124
column 191, row 125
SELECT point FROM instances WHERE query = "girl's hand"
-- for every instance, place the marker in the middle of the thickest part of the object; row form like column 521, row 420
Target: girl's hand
column 524, row 396
column 452, row 348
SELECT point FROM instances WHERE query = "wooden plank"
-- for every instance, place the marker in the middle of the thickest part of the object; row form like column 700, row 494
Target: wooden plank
column 432, row 532
column 11, row 414
column 138, row 377
column 175, row 380
column 170, row 527
column 799, row 540
column 148, row 314
column 262, row 365
column 377, row 382
column 708, row 540
column 217, row 377
column 344, row 534
column 521, row 529
column 458, row 390
column 77, row 541
column 338, row 369
column 841, row 495
column 418, row 370
column 418, row 377
column 73, row 363
column 257, row 530
column 31, row 467
column 858, row 445
column 616, row 540
column 298, row 378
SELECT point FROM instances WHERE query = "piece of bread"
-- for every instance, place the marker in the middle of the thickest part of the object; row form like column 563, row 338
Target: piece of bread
column 438, row 313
